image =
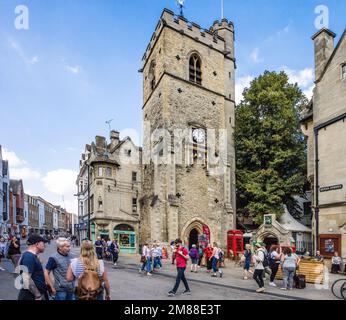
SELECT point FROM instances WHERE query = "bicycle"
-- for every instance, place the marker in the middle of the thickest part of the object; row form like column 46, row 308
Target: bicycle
column 339, row 289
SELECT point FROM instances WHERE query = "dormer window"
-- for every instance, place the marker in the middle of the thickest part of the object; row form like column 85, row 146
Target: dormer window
column 195, row 70
column 343, row 70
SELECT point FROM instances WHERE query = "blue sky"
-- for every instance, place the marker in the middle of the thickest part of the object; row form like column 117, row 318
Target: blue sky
column 77, row 66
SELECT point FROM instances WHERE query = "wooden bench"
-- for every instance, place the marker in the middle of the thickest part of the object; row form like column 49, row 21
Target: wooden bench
column 312, row 270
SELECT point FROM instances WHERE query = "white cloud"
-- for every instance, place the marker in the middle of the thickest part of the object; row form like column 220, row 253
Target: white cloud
column 309, row 92
column 61, row 181
column 241, row 84
column 24, row 173
column 22, row 54
column 254, row 56
column 33, row 60
column 71, row 149
column 74, row 69
column 304, row 78
column 19, row 168
column 13, row 159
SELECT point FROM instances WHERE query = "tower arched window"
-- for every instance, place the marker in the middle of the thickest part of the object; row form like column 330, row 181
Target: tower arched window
column 152, row 78
column 195, row 69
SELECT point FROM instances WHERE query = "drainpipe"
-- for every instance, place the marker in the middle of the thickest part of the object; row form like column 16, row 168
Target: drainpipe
column 316, row 190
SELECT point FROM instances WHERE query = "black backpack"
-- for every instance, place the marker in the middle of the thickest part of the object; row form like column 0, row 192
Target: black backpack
column 266, row 259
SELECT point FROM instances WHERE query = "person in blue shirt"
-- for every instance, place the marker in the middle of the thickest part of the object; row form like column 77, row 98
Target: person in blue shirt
column 34, row 284
column 99, row 248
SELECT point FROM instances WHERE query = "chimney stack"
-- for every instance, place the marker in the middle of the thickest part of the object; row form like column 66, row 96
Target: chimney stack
column 324, row 47
column 114, row 138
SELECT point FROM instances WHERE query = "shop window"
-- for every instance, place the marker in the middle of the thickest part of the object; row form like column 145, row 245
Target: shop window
column 100, row 173
column 108, row 172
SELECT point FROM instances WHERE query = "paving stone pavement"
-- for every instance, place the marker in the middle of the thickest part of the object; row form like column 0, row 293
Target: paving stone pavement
column 128, row 284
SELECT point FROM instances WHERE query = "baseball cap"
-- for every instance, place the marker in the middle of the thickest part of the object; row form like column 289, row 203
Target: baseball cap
column 35, row 238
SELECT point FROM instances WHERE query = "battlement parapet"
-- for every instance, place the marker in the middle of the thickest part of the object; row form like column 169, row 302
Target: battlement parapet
column 191, row 29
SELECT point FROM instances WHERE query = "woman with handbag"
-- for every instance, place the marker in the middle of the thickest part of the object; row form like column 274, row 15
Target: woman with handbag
column 146, row 259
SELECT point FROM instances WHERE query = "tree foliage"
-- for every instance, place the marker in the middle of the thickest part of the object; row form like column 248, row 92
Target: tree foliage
column 270, row 147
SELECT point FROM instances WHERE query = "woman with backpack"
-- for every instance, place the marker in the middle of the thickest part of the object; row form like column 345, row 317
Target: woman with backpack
column 89, row 274
column 194, row 256
column 289, row 265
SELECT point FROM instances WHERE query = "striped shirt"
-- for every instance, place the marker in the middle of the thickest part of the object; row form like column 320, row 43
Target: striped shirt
column 78, row 267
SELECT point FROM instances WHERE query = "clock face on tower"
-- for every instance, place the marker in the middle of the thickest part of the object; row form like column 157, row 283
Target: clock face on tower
column 198, row 135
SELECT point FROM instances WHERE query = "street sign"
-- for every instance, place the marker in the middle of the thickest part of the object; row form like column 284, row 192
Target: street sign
column 331, row 188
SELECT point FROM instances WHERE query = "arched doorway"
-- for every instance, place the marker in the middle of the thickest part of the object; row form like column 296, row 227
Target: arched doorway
column 195, row 232
column 193, row 237
column 270, row 240
column 126, row 238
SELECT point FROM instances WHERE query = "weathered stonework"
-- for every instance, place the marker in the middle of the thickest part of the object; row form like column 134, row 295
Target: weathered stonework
column 112, row 187
column 177, row 196
column 325, row 127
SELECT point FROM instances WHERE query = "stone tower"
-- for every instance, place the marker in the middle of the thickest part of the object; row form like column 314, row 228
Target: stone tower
column 188, row 185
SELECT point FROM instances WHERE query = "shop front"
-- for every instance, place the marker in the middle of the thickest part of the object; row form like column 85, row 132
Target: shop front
column 126, row 238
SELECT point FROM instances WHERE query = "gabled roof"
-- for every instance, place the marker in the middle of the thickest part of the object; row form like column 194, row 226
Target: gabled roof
column 291, row 224
column 332, row 55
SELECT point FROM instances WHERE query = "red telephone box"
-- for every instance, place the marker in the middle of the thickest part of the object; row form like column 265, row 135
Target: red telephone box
column 235, row 242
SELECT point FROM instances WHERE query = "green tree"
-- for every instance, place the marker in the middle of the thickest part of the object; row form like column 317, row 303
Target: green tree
column 270, row 147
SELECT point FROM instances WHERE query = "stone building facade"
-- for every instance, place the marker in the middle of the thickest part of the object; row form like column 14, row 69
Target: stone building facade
column 4, row 194
column 108, row 190
column 188, row 185
column 324, row 124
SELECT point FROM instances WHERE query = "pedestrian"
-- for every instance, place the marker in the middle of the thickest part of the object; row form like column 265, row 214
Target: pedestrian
column 247, row 261
column 266, row 265
column 35, row 287
column 274, row 262
column 14, row 252
column 208, row 253
column 114, row 251
column 215, row 259
column 156, row 255
column 182, row 255
column 318, row 256
column 194, row 255
column 58, row 263
column 258, row 259
column 289, row 265
column 99, row 248
column 146, row 259
column 89, row 275
column 336, row 263
column 172, row 251
column 2, row 250
column 200, row 249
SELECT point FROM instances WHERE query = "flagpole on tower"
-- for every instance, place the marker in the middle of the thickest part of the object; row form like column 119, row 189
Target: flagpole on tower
column 222, row 9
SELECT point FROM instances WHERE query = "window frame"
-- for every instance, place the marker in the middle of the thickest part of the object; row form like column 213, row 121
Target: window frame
column 195, row 71
column 343, row 72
